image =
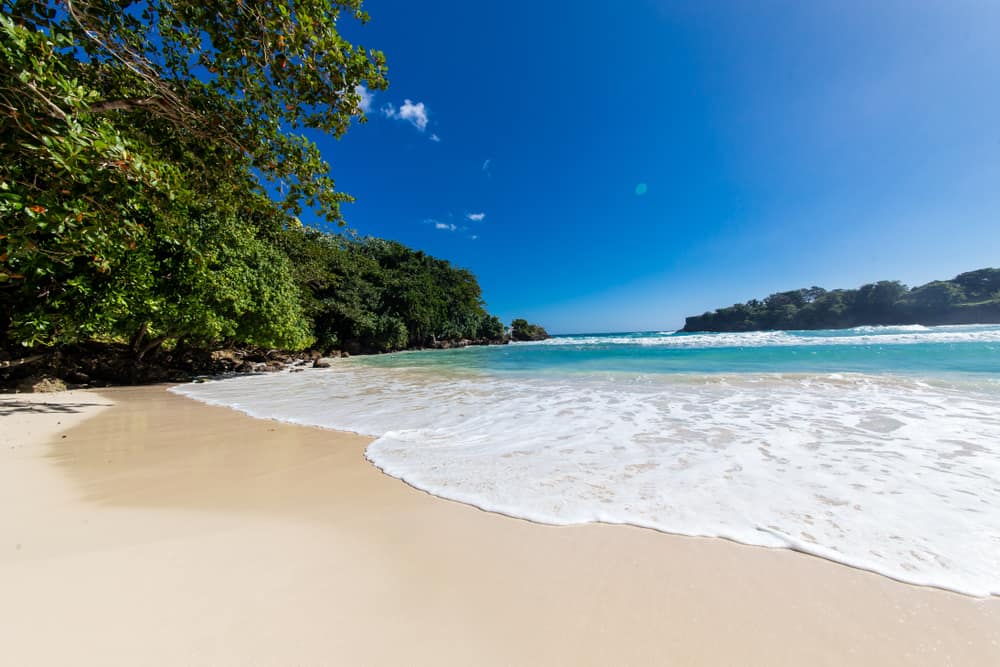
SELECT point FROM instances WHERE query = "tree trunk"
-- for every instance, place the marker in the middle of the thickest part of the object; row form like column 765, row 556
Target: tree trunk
column 150, row 346
column 138, row 336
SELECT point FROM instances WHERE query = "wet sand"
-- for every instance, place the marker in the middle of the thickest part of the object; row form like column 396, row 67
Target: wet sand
column 163, row 531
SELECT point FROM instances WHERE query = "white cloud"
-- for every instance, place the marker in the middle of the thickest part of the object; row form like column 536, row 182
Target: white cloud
column 475, row 236
column 416, row 114
column 475, row 217
column 486, row 166
column 445, row 225
column 366, row 98
column 435, row 138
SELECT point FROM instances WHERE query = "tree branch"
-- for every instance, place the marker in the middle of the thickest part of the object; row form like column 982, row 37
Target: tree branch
column 125, row 104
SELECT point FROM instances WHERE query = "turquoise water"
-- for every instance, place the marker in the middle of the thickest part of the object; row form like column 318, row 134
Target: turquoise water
column 876, row 447
column 911, row 350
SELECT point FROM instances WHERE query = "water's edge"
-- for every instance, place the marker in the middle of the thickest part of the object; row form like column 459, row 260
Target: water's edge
column 891, row 468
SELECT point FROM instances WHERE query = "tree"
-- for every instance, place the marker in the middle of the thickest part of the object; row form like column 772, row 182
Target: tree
column 934, row 296
column 126, row 121
column 979, row 285
column 247, row 76
column 521, row 329
column 378, row 295
column 491, row 328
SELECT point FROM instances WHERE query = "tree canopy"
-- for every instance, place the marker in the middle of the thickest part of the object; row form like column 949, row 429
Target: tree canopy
column 521, row 330
column 154, row 157
column 377, row 295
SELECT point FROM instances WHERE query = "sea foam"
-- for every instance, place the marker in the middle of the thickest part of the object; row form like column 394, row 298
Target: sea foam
column 866, row 335
column 895, row 474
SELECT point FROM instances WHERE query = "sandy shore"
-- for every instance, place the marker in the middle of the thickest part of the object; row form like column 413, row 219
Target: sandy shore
column 139, row 527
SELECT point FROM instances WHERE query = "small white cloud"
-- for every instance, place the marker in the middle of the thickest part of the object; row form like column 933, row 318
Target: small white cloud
column 366, row 98
column 475, row 217
column 415, row 113
column 445, row 225
column 486, row 166
column 435, row 138
column 475, row 236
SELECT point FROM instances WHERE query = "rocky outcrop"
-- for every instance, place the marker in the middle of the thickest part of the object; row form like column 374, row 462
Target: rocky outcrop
column 466, row 342
column 522, row 330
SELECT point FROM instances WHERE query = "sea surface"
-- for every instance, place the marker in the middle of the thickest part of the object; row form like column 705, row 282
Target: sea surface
column 877, row 447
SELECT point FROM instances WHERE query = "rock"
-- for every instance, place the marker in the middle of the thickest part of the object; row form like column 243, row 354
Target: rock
column 41, row 385
column 323, row 362
column 226, row 355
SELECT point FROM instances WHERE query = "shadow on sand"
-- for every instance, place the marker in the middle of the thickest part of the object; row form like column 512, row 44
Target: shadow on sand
column 10, row 407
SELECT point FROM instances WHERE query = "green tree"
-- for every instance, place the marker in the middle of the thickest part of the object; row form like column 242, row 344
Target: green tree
column 521, row 329
column 491, row 328
column 980, row 285
column 126, row 123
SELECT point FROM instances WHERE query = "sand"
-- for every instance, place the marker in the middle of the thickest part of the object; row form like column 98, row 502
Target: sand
column 140, row 527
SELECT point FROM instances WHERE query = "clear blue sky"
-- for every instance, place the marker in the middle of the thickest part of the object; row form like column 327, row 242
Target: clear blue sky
column 779, row 144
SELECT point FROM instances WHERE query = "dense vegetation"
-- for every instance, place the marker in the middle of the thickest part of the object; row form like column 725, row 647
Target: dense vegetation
column 378, row 295
column 154, row 158
column 521, row 329
column 969, row 298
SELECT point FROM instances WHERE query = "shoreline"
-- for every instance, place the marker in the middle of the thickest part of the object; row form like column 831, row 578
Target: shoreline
column 207, row 536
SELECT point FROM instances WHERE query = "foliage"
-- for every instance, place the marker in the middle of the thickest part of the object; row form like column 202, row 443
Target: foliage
column 968, row 298
column 520, row 329
column 136, row 143
column 372, row 294
column 491, row 328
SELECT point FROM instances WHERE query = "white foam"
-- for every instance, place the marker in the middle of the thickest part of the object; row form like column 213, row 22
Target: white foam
column 868, row 335
column 893, row 475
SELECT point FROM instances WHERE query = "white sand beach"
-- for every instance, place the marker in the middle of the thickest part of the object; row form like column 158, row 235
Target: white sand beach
column 140, row 527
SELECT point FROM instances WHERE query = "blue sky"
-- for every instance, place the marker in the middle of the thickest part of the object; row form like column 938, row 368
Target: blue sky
column 636, row 162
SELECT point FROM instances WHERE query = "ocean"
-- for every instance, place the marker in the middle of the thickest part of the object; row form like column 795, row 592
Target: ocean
column 876, row 447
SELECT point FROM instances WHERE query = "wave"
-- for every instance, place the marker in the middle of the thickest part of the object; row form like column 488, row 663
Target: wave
column 892, row 474
column 866, row 335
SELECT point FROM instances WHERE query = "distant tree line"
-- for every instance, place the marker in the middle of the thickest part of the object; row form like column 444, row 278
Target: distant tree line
column 969, row 298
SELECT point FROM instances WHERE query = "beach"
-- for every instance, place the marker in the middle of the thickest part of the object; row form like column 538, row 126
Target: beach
column 141, row 527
